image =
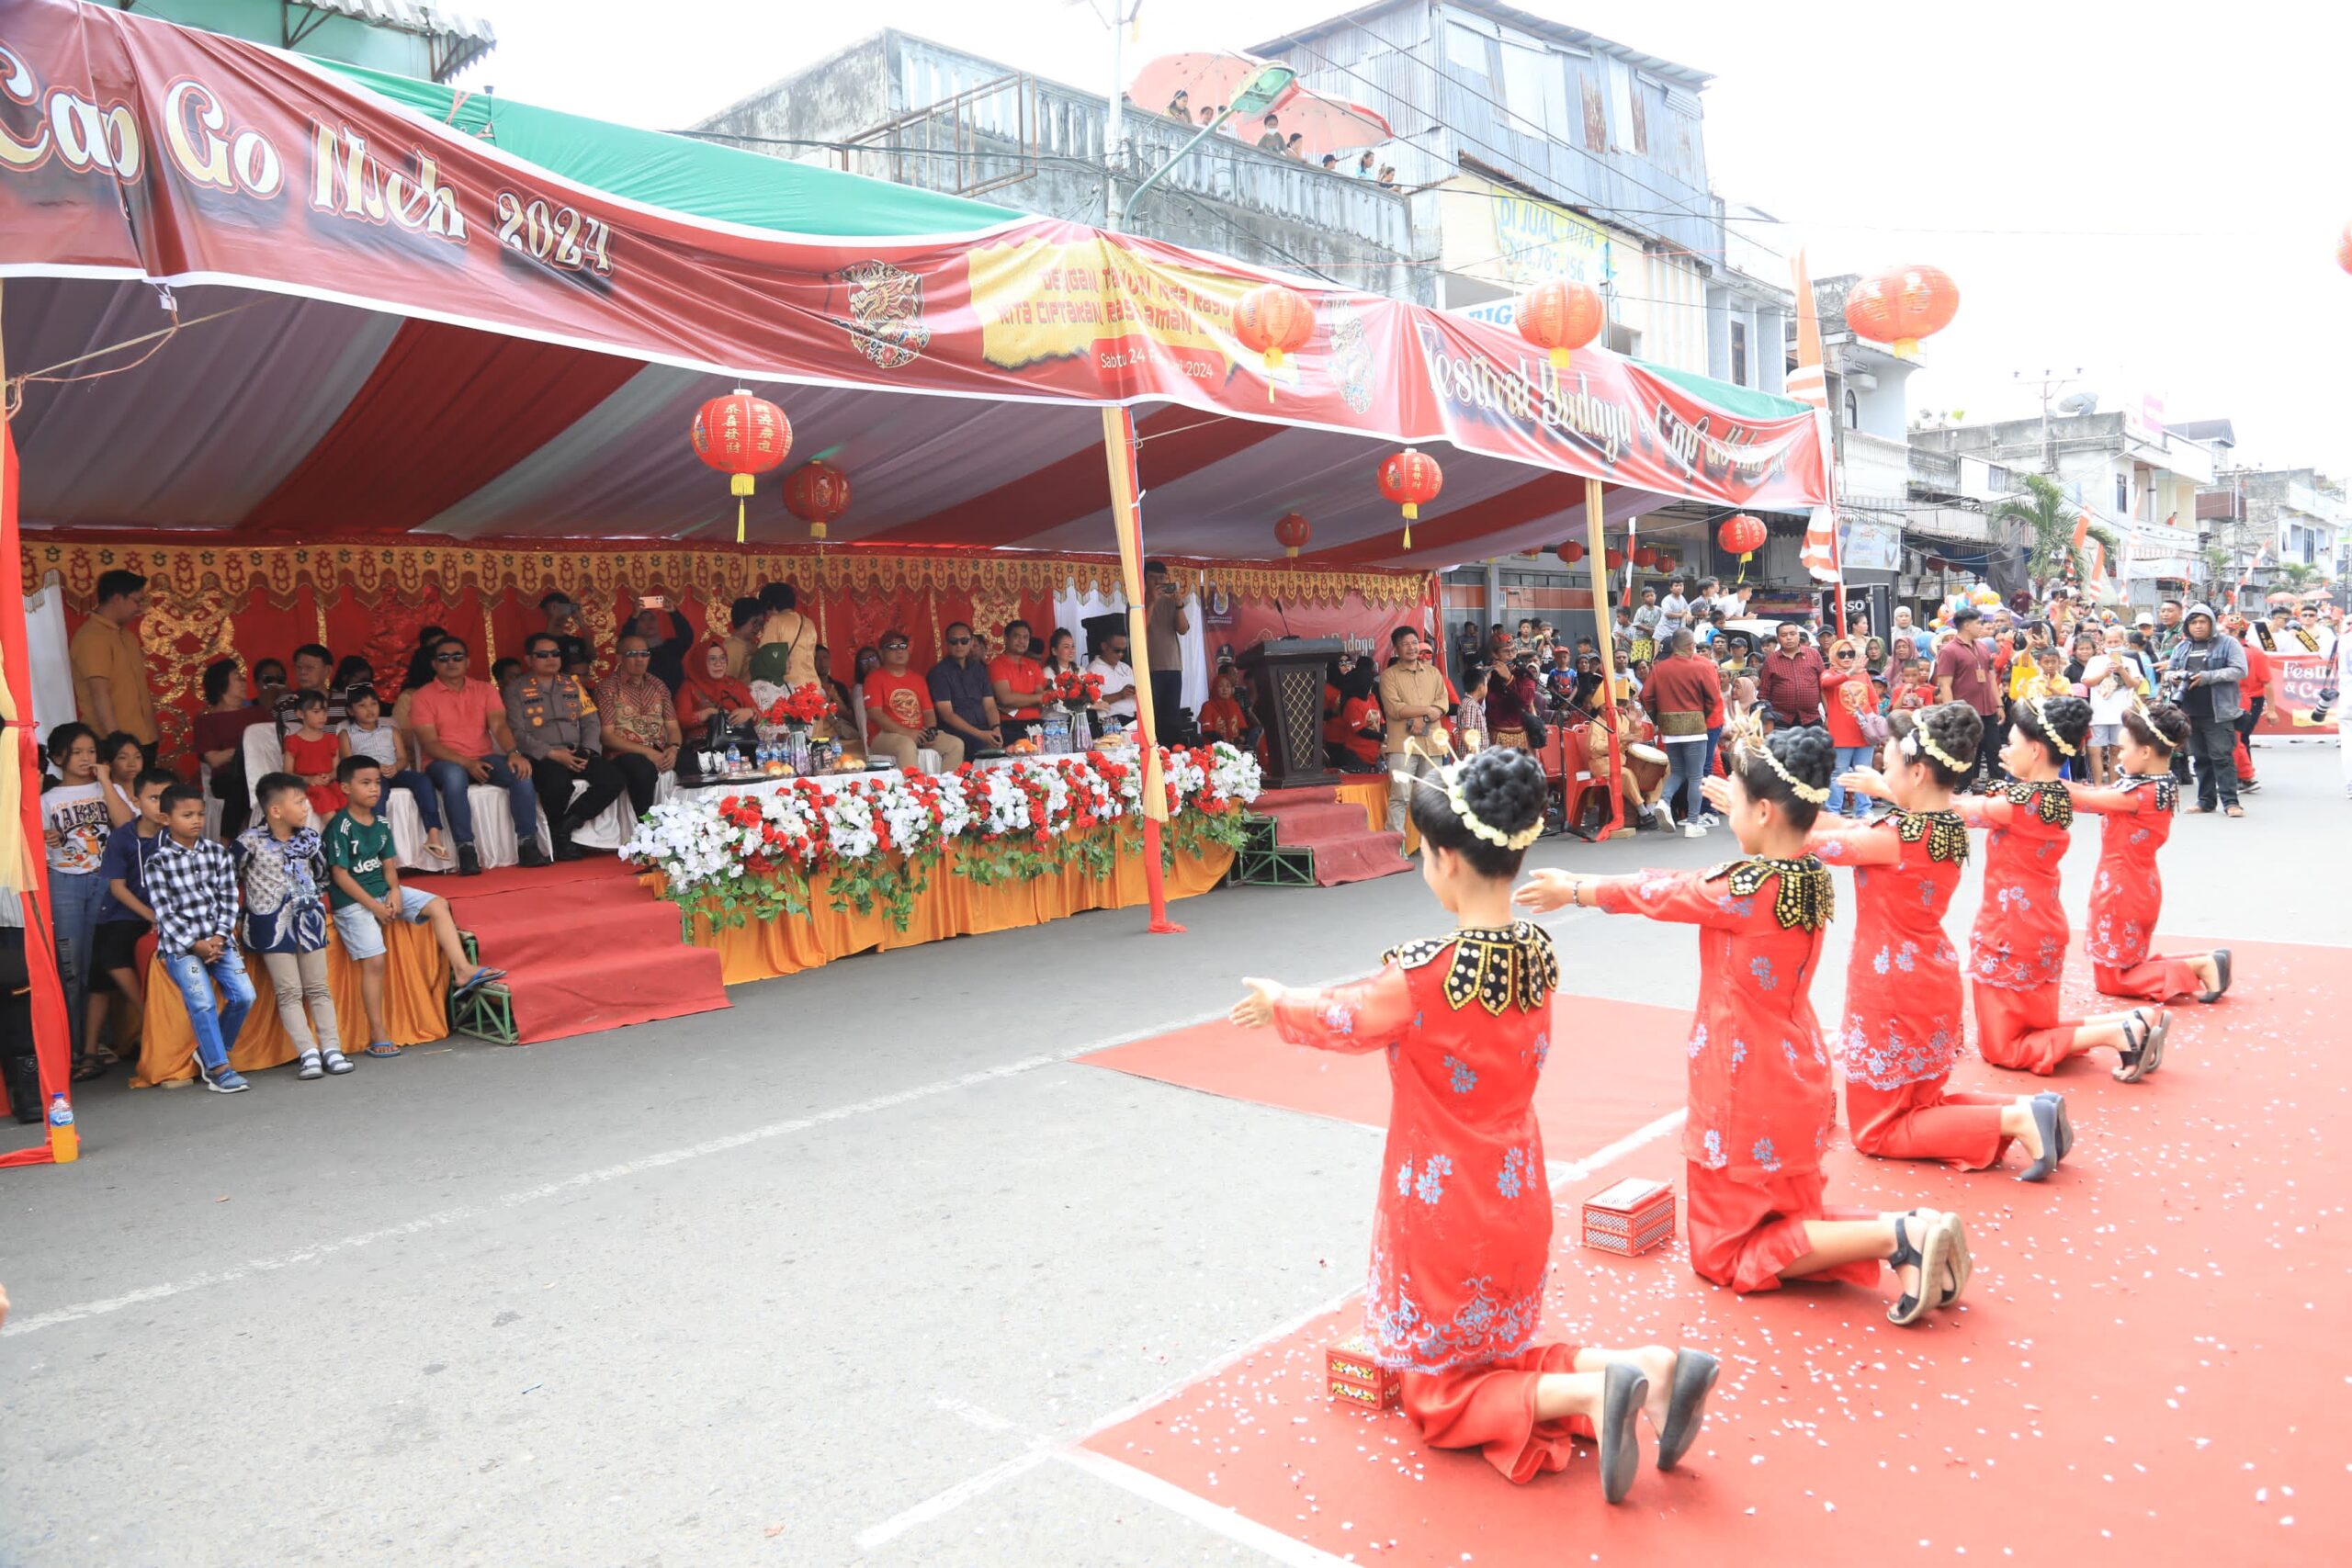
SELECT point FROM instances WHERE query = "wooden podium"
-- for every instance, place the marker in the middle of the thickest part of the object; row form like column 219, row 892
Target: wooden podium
column 1288, row 675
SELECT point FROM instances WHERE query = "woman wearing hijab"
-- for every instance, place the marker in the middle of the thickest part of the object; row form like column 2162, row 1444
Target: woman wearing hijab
column 708, row 691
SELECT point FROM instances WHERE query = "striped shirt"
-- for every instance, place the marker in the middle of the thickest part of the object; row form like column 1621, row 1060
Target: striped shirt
column 193, row 890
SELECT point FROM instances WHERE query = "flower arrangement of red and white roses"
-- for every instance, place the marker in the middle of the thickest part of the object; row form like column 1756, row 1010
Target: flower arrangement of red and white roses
column 748, row 854
column 1077, row 688
column 801, row 706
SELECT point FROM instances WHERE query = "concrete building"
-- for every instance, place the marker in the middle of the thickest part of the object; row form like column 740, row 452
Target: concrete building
column 414, row 38
column 2137, row 479
column 1540, row 150
column 2299, row 515
column 895, row 107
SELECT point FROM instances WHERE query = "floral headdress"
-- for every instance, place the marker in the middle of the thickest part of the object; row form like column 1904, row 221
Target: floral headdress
column 1450, row 780
column 1747, row 735
column 2049, row 730
column 1918, row 740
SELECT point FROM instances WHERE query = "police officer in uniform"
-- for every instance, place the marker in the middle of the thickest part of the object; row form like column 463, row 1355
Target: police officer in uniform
column 555, row 725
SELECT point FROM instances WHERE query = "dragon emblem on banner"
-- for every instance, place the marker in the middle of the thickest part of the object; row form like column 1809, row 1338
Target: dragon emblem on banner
column 885, row 317
column 1350, row 355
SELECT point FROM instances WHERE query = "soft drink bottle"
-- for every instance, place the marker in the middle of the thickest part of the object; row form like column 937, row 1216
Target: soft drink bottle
column 65, row 1142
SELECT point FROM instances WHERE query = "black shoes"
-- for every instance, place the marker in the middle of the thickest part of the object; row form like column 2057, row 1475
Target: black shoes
column 469, row 861
column 531, row 854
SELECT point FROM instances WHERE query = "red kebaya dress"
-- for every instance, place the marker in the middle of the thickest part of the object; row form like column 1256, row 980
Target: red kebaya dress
column 2129, row 894
column 1463, row 1238
column 2018, row 950
column 1760, row 1097
column 1904, row 1020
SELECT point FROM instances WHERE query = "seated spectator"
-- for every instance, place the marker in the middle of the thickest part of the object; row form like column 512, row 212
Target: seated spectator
column 504, row 672
column 900, row 715
column 562, row 614
column 745, row 617
column 126, row 916
column 75, row 827
column 556, row 725
column 269, row 684
column 835, row 693
column 1061, row 651
column 313, row 665
column 712, row 692
column 121, row 759
column 192, row 888
column 1018, row 682
column 962, row 695
column 1916, row 691
column 1107, row 635
column 312, row 750
column 666, row 654
column 419, row 668
column 461, row 734
column 111, row 691
column 282, row 880
column 640, row 722
column 367, row 733
column 365, row 895
column 350, row 671
column 220, row 737
column 1362, row 728
column 867, row 659
column 1221, row 716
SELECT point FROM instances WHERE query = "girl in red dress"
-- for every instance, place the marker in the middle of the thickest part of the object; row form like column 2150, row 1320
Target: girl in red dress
column 2129, row 894
column 312, row 753
column 1760, row 1099
column 1462, row 1240
column 1904, row 1017
column 2018, row 948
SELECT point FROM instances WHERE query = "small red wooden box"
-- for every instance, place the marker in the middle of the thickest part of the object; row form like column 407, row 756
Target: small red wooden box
column 1358, row 1380
column 1628, row 1217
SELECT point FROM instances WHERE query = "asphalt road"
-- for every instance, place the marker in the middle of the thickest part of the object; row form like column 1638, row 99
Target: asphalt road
column 828, row 1278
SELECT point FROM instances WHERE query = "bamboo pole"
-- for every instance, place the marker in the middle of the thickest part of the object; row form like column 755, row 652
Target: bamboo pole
column 1595, row 554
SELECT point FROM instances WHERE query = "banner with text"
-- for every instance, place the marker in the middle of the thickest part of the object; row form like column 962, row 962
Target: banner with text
column 2296, row 681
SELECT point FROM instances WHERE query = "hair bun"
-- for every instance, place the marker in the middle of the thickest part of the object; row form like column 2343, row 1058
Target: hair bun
column 1808, row 753
column 1505, row 787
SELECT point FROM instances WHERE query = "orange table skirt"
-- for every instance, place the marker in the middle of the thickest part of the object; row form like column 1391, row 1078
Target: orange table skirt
column 417, row 1009
column 949, row 905
column 1371, row 792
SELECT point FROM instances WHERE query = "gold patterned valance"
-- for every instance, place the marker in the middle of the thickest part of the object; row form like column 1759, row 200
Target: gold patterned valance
column 372, row 573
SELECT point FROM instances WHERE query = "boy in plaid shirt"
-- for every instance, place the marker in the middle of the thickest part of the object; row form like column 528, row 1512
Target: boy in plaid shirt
column 192, row 886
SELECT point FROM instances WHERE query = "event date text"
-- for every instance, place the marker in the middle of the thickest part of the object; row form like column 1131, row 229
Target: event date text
column 561, row 237
column 1199, row 370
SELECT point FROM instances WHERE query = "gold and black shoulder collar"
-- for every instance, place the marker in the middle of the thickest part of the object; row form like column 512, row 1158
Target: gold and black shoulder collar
column 1946, row 834
column 2167, row 788
column 1496, row 967
column 2047, row 796
column 1806, row 896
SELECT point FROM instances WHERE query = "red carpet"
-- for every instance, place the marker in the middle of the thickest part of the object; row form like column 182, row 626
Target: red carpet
column 2150, row 1367
column 585, row 946
column 1345, row 849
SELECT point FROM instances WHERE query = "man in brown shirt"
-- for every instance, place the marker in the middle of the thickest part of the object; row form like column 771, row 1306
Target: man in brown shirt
column 1412, row 696
column 110, row 689
column 1164, row 621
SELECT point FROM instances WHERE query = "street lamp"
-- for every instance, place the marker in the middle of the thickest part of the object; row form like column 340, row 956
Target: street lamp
column 1270, row 86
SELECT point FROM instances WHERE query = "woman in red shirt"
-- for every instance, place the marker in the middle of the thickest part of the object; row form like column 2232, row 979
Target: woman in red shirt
column 1845, row 693
column 2017, row 951
column 1904, row 1020
column 1462, row 1240
column 2129, row 894
column 1762, row 1103
column 1357, row 731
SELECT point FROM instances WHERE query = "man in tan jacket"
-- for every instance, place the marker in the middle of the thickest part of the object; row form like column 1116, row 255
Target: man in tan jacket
column 1412, row 695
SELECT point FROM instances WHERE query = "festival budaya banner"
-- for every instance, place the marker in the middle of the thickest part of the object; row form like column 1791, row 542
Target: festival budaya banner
column 131, row 149
column 2296, row 681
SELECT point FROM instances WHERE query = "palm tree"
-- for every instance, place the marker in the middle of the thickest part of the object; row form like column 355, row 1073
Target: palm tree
column 2295, row 576
column 2046, row 516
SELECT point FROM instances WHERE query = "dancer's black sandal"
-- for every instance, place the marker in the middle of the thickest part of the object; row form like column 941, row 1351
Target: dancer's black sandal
column 2220, row 956
column 2152, row 1055
column 1624, row 1389
column 1695, row 1378
column 2045, row 1121
column 2132, row 1066
column 1928, row 1256
column 2065, row 1122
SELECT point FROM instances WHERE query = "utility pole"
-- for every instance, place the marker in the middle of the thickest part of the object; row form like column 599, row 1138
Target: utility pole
column 2051, row 381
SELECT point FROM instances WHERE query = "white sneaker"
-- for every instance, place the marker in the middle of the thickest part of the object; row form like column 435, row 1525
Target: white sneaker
column 1665, row 815
column 1709, row 820
column 1692, row 830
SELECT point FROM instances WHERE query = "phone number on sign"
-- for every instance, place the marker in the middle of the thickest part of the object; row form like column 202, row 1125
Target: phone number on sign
column 559, row 236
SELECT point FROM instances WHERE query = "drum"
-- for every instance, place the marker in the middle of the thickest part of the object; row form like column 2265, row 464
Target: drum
column 1636, row 751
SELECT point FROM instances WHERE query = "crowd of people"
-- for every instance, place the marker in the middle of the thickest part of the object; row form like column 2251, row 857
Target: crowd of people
column 1271, row 138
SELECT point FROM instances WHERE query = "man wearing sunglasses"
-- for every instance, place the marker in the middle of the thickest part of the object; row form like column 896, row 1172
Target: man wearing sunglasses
column 462, row 730
column 900, row 717
column 962, row 695
column 556, row 724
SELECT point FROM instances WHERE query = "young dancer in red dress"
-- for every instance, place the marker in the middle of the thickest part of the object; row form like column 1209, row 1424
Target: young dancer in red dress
column 1762, row 1103
column 1905, row 1014
column 1463, row 1238
column 2018, row 950
column 2129, row 894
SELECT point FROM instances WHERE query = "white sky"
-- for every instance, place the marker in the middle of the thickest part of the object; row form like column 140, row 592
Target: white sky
column 2152, row 194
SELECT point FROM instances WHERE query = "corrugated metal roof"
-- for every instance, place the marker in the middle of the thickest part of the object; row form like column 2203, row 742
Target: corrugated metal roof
column 410, row 15
column 1526, row 21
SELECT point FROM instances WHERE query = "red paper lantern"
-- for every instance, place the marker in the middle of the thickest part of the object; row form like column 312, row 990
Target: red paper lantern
column 1935, row 563
column 1272, row 320
column 1612, row 558
column 1902, row 305
column 1645, row 557
column 1742, row 536
column 1408, row 479
column 1571, row 552
column 742, row 436
column 1561, row 315
column 1292, row 532
column 815, row 492
column 2344, row 248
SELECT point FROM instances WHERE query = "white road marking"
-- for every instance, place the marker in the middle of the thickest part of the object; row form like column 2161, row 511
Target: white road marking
column 1223, row 1522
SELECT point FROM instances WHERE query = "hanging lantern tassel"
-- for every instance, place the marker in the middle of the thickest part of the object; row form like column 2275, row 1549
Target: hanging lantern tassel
column 741, row 484
column 742, row 436
column 1407, row 479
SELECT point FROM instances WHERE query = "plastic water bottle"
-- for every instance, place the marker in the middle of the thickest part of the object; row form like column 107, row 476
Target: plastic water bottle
column 734, row 758
column 64, row 1142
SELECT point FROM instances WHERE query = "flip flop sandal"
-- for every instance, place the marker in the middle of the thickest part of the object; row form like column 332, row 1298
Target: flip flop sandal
column 1695, row 1378
column 382, row 1048
column 1958, row 1266
column 2220, row 956
column 2065, row 1122
column 90, row 1067
column 1928, row 1256
column 482, row 977
column 2134, row 1055
column 2045, row 1121
column 1624, row 1392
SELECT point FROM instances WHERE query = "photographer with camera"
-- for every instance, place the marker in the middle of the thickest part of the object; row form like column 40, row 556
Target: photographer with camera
column 2201, row 678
